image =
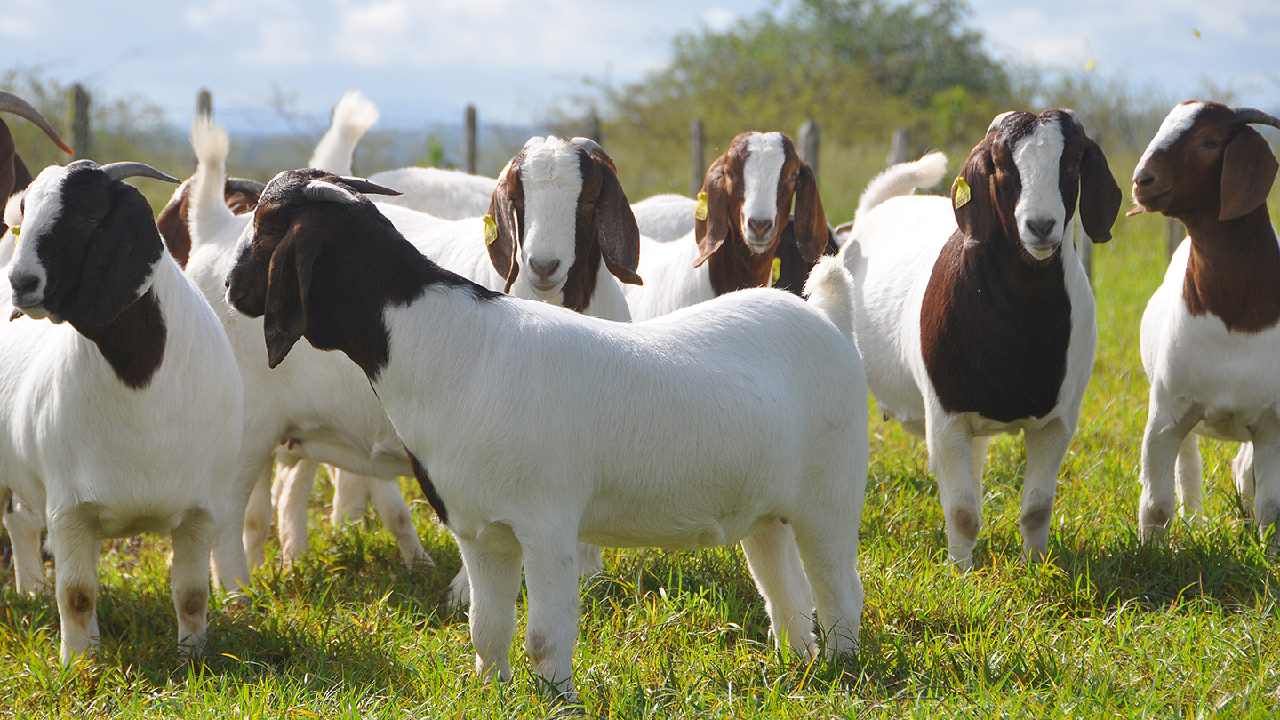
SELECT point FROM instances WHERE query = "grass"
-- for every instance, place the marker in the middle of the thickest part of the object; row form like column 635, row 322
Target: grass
column 1106, row 627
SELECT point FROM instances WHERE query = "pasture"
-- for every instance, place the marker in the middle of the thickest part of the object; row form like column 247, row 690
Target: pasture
column 1189, row 628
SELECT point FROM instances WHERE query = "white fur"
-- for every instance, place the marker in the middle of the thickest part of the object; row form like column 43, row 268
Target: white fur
column 446, row 194
column 891, row 256
column 1038, row 156
column 1208, row 381
column 902, row 179
column 352, row 117
column 96, row 459
column 1178, row 121
column 664, row 217
column 552, row 180
column 760, row 173
column 773, row 429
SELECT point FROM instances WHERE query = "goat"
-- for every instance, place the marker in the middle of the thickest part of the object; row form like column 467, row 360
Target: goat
column 747, row 192
column 123, row 413
column 1209, row 333
column 562, row 201
column 14, row 175
column 772, row 432
column 974, row 318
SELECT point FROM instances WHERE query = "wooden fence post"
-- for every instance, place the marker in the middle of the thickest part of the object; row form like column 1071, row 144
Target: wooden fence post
column 470, row 122
column 204, row 103
column 1174, row 233
column 78, row 120
column 593, row 125
column 809, row 142
column 899, row 150
column 698, row 158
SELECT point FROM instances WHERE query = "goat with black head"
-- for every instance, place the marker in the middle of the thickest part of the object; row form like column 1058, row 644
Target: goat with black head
column 1220, row 299
column 743, row 207
column 975, row 316
column 128, row 417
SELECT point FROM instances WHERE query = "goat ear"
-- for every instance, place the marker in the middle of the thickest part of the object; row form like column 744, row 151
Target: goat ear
column 172, row 223
column 119, row 255
column 811, row 229
column 504, row 206
column 615, row 228
column 1100, row 197
column 712, row 231
column 1248, row 169
column 973, row 201
column 288, row 288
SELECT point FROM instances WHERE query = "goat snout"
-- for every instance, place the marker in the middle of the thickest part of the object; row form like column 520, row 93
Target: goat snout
column 544, row 270
column 758, row 230
column 27, row 291
column 1041, row 228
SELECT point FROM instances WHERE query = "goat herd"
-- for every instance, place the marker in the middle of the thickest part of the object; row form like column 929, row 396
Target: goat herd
column 665, row 392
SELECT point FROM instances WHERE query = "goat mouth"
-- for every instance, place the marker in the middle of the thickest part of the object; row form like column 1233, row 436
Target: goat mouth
column 1146, row 201
column 545, row 287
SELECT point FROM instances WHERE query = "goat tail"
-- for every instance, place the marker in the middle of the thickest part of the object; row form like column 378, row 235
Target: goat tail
column 902, row 179
column 352, row 117
column 207, row 209
column 830, row 290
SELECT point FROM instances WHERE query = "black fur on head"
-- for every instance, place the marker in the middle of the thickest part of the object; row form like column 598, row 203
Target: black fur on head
column 97, row 243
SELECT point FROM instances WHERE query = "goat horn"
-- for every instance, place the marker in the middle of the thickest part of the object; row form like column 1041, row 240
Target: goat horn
column 122, row 170
column 1256, row 117
column 324, row 191
column 11, row 103
column 361, row 185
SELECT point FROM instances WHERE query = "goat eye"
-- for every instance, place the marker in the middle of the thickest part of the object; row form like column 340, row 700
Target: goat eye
column 1210, row 144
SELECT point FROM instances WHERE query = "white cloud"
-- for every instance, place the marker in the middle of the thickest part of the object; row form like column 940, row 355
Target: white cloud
column 718, row 18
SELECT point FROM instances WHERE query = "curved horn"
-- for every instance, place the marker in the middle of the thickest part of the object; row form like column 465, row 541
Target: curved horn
column 324, row 191
column 587, row 144
column 248, row 187
column 361, row 185
column 122, row 170
column 1256, row 117
column 11, row 103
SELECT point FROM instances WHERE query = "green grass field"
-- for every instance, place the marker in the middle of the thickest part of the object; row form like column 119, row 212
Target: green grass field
column 1106, row 627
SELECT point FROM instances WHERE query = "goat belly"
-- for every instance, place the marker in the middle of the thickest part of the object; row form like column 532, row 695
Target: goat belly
column 994, row 331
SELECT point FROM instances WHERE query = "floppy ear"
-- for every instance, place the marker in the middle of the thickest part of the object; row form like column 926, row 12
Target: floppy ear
column 172, row 223
column 1100, row 197
column 119, row 255
column 615, row 228
column 504, row 206
column 288, row 288
column 711, row 233
column 976, row 218
column 810, row 221
column 1248, row 169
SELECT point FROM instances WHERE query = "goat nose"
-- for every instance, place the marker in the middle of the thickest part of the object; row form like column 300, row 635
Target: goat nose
column 544, row 268
column 759, row 226
column 24, row 283
column 1144, row 178
column 1042, row 227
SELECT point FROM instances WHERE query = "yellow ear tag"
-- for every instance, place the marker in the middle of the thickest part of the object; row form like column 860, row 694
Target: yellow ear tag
column 960, row 192
column 490, row 230
column 700, row 212
column 16, row 231
column 775, row 272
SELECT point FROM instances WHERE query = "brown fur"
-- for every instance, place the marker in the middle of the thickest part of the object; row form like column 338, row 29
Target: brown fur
column 1215, row 179
column 995, row 322
column 732, row 266
column 172, row 220
column 134, row 343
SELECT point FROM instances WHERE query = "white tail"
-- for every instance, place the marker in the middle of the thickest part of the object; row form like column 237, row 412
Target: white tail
column 207, row 209
column 902, row 179
column 352, row 117
column 830, row 289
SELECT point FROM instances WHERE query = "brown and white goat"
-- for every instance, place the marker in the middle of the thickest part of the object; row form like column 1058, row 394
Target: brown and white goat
column 1211, row 332
column 14, row 175
column 746, row 204
column 975, row 318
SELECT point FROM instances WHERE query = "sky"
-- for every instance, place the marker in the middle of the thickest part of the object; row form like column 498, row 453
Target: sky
column 422, row 62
